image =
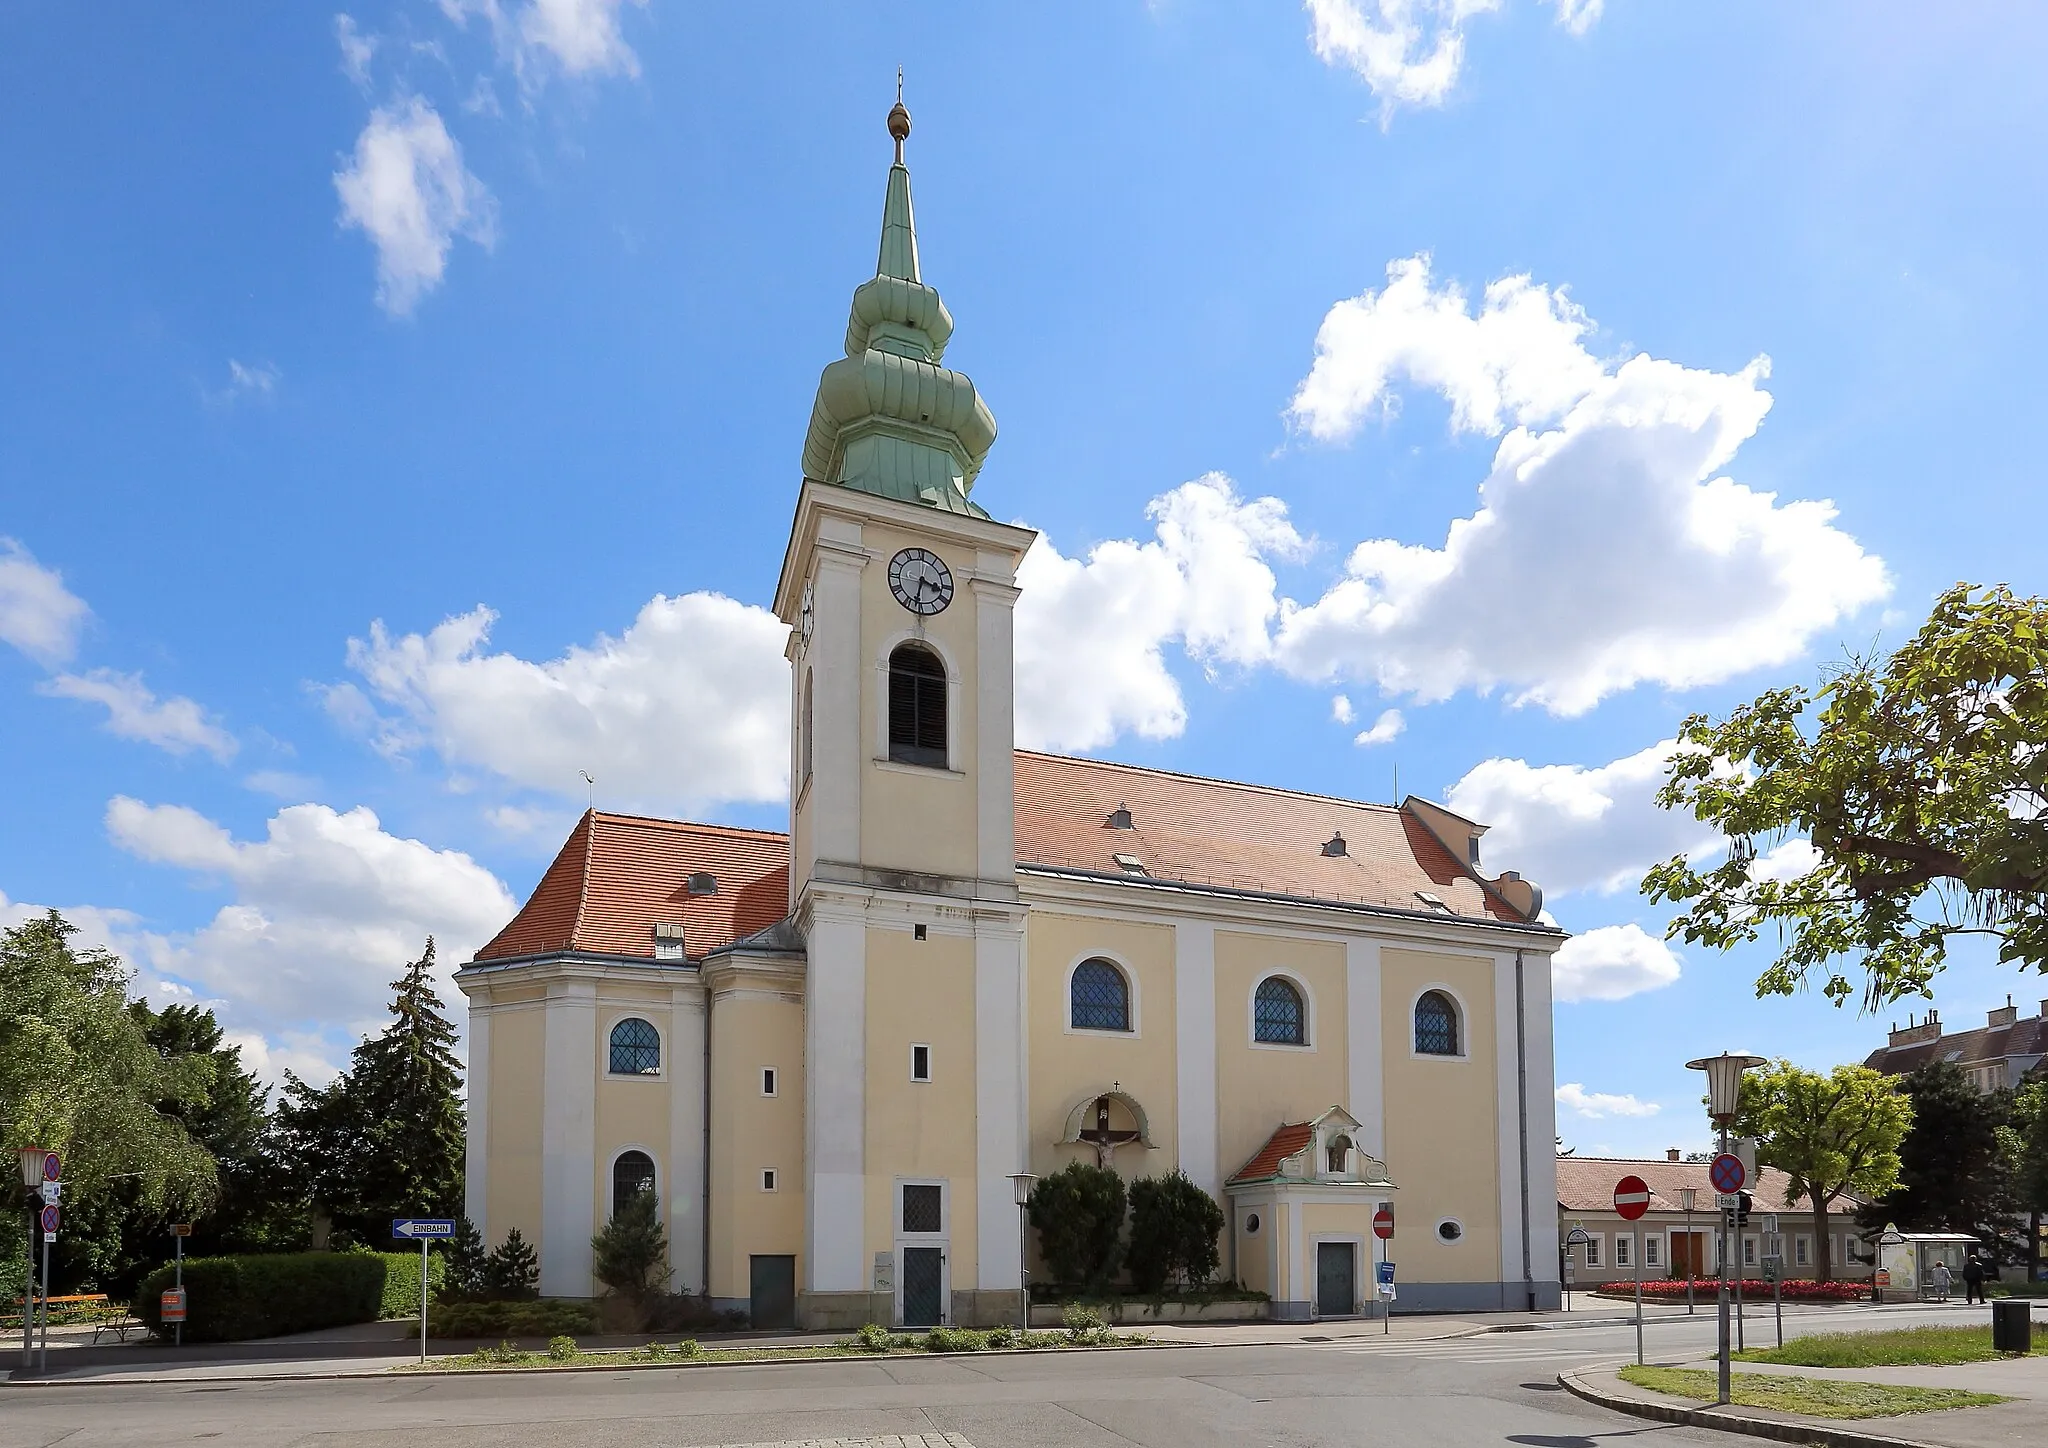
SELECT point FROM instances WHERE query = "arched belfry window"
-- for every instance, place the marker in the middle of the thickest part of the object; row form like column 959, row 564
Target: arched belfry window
column 917, row 706
column 1279, row 1017
column 1436, row 1025
column 632, row 1174
column 636, row 1048
column 1099, row 998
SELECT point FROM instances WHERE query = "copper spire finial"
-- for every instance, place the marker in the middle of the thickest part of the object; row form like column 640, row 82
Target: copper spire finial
column 899, row 118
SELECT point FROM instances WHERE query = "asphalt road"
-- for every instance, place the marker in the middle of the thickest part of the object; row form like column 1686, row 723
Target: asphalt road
column 1356, row 1388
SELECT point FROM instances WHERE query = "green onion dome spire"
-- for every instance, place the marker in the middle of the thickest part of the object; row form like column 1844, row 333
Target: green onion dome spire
column 888, row 418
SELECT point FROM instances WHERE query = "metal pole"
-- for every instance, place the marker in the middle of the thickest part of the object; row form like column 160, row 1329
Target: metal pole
column 1023, row 1276
column 423, row 1300
column 1692, row 1260
column 1639, row 1296
column 28, row 1295
column 178, row 1252
column 1721, row 1296
column 43, row 1351
column 1740, row 1344
column 1778, row 1300
column 1386, row 1307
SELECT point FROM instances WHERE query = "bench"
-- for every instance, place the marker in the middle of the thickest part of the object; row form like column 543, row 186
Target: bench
column 90, row 1307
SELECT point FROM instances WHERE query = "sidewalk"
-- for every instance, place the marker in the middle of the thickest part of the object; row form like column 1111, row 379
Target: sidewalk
column 2025, row 1380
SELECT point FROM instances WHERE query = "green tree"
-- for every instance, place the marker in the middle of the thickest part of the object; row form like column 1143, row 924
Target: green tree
column 630, row 1256
column 79, row 1075
column 2027, row 1149
column 1829, row 1134
column 467, row 1276
column 386, row 1138
column 1174, row 1231
column 1922, row 784
column 514, row 1268
column 1079, row 1213
column 1953, row 1175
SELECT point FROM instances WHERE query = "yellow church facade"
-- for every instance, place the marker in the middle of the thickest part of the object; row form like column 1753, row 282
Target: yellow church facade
column 831, row 1052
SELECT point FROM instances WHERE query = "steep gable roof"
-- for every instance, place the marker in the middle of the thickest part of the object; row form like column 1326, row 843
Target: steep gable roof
column 618, row 876
column 1288, row 1140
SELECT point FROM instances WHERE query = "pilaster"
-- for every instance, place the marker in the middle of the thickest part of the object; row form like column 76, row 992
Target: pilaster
column 687, row 1127
column 835, row 1098
column 477, row 1116
column 568, row 1183
column 1194, row 1025
column 999, row 1095
column 1364, row 1046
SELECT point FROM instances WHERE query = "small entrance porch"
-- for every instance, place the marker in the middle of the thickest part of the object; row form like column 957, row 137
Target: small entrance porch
column 1301, row 1215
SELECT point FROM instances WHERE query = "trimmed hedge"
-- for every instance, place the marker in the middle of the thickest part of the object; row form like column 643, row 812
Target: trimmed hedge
column 530, row 1318
column 402, row 1282
column 231, row 1299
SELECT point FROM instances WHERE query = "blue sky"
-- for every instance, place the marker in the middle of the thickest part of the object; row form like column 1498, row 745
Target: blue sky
column 402, row 409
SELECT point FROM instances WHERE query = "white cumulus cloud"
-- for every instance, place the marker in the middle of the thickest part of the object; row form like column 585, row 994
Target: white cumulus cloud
column 1341, row 711
column 1410, row 52
column 407, row 189
column 1607, row 551
column 1593, row 1105
column 688, row 707
column 176, row 725
column 1612, row 963
column 327, row 908
column 1385, row 729
column 1090, row 631
column 1574, row 827
column 38, row 614
column 576, row 37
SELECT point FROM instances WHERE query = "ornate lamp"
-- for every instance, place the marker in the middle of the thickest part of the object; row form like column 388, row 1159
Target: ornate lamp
column 32, row 1167
column 1021, row 1183
column 1724, row 1081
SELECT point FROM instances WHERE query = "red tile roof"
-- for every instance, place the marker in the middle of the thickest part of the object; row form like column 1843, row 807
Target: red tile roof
column 1238, row 836
column 1586, row 1184
column 1265, row 1163
column 619, row 876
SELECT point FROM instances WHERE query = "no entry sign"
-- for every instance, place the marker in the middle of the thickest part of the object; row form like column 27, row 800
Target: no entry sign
column 1631, row 1197
column 1726, row 1173
column 1383, row 1224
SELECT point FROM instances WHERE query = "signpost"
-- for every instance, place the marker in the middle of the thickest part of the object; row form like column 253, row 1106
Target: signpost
column 423, row 1230
column 179, row 1232
column 1631, row 1200
column 1686, row 1196
column 1383, row 1228
column 53, row 1176
column 1577, row 1237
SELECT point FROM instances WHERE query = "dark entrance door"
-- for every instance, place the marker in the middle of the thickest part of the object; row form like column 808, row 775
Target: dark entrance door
column 1336, row 1279
column 772, row 1284
column 1689, row 1254
column 923, row 1283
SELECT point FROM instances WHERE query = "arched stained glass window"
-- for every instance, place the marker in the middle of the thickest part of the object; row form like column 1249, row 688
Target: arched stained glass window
column 636, row 1048
column 917, row 706
column 1100, row 998
column 1436, row 1025
column 1278, row 1016
column 632, row 1173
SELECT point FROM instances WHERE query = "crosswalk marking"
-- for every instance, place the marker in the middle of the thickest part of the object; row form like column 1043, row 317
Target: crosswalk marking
column 1465, row 1350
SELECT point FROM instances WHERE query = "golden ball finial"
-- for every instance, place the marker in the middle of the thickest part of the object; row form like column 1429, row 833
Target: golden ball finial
column 899, row 123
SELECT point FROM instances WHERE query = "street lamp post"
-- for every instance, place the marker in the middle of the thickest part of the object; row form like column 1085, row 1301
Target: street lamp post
column 31, row 1178
column 1692, row 1255
column 1724, row 1095
column 1020, row 1187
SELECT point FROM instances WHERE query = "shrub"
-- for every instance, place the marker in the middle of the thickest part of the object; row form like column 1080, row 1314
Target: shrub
column 466, row 1277
column 630, row 1256
column 230, row 1299
column 1084, row 1325
column 1174, row 1229
column 1079, row 1214
column 513, row 1270
column 872, row 1337
column 1795, row 1289
column 540, row 1318
column 954, row 1339
column 1001, row 1337
column 562, row 1349
column 402, row 1282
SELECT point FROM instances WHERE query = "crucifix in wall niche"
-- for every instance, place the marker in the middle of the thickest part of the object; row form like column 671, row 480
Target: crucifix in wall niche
column 1099, row 1136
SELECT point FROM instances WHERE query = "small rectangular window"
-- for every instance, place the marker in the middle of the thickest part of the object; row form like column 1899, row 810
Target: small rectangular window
column 1802, row 1248
column 768, row 1179
column 1593, row 1252
column 1749, row 1251
column 1622, row 1247
column 920, row 1063
column 917, row 932
column 923, row 1208
column 767, row 1080
column 1651, row 1252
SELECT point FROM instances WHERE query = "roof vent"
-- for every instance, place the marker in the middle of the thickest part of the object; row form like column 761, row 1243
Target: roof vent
column 1130, row 864
column 1434, row 902
column 1334, row 845
column 666, row 931
column 702, row 883
column 1119, row 819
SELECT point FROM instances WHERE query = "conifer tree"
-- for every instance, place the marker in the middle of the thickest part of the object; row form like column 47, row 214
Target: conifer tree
column 514, row 1269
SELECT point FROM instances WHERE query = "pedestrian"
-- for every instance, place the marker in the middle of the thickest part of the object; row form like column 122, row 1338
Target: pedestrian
column 1973, row 1280
column 1941, row 1280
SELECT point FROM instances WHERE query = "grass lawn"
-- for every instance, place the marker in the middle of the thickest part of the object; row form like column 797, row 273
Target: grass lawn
column 1902, row 1347
column 1814, row 1397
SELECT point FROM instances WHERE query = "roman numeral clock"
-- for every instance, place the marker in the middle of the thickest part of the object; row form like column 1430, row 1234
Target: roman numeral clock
column 921, row 581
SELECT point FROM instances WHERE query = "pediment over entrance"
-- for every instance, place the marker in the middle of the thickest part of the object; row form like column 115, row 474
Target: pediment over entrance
column 1322, row 1151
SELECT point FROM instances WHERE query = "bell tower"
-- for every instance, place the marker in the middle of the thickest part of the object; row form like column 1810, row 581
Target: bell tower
column 900, row 591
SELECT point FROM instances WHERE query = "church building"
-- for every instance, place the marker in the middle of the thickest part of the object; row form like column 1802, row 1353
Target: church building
column 831, row 1053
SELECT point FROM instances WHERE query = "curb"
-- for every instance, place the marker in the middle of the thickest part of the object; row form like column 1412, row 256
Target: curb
column 1728, row 1421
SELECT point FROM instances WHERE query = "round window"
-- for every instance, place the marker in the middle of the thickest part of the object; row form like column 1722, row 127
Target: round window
column 1251, row 1225
column 1449, row 1230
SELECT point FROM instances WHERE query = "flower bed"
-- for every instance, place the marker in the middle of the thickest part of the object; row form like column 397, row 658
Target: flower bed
column 1794, row 1289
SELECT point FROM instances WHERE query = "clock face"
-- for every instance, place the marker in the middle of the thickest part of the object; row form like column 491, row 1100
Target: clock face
column 807, row 617
column 921, row 581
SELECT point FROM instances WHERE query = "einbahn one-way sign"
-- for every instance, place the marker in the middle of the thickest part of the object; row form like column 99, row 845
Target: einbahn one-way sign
column 420, row 1228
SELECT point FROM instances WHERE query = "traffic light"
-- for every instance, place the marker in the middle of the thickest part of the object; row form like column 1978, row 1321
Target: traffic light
column 1742, row 1211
